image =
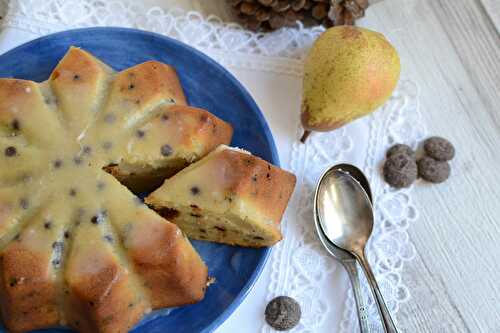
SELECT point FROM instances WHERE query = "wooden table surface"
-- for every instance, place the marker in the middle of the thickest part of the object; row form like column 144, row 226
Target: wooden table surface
column 451, row 48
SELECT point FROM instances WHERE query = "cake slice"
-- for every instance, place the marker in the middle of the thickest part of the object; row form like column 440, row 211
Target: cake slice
column 174, row 137
column 229, row 196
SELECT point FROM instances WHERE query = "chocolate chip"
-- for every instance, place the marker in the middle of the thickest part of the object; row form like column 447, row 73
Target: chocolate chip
column 283, row 313
column 10, row 151
column 109, row 118
column 15, row 125
column 164, row 117
column 220, row 228
column 169, row 213
column 166, row 150
column 107, row 145
column 439, row 148
column 130, row 305
column 47, row 225
column 254, row 178
column 131, row 86
column 100, row 186
column 23, row 202
column 76, row 77
column 195, row 190
column 203, row 231
column 172, row 100
column 72, row 192
column 57, row 245
column 400, row 148
column 400, row 170
column 57, row 164
column 77, row 160
column 432, row 170
column 67, row 234
column 13, row 282
column 140, row 134
column 87, row 150
column 94, row 219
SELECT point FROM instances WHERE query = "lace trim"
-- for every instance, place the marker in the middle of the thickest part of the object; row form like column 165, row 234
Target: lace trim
column 209, row 34
column 300, row 266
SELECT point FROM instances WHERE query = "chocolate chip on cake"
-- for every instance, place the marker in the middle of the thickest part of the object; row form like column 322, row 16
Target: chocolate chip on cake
column 15, row 125
column 439, row 148
column 57, row 164
column 77, row 160
column 100, row 186
column 94, row 219
column 166, row 150
column 109, row 118
column 140, row 134
column 24, row 203
column 432, row 170
column 195, row 190
column 76, row 77
column 400, row 148
column 400, row 170
column 10, row 151
column 107, row 145
column 283, row 313
column 72, row 192
column 47, row 225
column 87, row 150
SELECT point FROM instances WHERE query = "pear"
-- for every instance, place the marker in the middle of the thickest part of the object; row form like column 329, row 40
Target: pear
column 348, row 73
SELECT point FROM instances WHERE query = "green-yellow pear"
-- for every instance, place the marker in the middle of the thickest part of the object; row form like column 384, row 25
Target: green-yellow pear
column 349, row 72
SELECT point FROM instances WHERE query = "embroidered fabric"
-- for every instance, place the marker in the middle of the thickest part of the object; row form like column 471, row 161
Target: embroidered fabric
column 299, row 265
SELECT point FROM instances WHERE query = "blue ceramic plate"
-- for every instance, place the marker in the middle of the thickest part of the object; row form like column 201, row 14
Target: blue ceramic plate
column 206, row 85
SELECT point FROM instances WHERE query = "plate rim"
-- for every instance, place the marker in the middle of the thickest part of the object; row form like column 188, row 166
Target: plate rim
column 248, row 99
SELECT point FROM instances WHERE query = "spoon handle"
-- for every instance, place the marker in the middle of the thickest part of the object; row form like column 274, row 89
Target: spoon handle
column 385, row 315
column 350, row 266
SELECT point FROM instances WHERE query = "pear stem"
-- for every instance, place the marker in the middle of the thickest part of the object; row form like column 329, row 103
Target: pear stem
column 305, row 136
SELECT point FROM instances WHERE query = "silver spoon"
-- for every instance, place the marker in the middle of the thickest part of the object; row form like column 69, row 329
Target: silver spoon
column 346, row 258
column 346, row 218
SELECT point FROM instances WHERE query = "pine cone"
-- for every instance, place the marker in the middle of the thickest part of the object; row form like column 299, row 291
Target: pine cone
column 265, row 15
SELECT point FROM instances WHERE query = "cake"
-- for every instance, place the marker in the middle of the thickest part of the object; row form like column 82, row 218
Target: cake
column 191, row 133
column 229, row 196
column 77, row 248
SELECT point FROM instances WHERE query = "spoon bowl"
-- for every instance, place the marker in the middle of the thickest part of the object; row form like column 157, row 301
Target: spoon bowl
column 342, row 199
column 344, row 213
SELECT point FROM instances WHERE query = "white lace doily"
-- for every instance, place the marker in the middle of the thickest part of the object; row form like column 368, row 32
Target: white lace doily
column 299, row 266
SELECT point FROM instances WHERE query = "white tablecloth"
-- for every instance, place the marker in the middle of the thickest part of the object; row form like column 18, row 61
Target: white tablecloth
column 270, row 67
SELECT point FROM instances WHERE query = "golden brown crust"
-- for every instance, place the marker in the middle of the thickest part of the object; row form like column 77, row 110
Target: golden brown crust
column 147, row 82
column 266, row 187
column 242, row 199
column 28, row 293
column 102, row 299
column 77, row 69
column 170, row 267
